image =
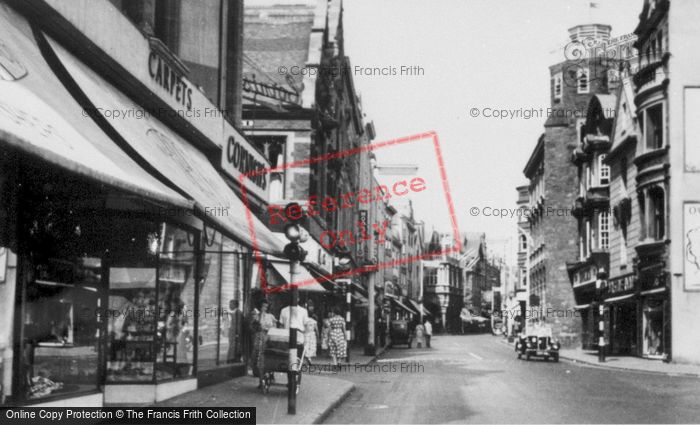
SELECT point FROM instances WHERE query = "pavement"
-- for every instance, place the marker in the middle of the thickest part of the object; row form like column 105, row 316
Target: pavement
column 478, row 379
column 357, row 356
column 317, row 397
column 631, row 363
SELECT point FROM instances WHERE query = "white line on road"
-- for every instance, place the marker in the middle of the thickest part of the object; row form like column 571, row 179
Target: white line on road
column 476, row 356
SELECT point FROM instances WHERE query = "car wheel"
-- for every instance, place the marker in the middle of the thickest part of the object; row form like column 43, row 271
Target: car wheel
column 520, row 356
column 527, row 357
column 556, row 357
column 546, row 358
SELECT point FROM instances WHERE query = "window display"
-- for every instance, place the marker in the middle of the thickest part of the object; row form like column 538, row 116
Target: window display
column 209, row 302
column 653, row 329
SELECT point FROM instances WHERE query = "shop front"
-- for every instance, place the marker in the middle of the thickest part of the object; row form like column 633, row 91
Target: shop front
column 133, row 256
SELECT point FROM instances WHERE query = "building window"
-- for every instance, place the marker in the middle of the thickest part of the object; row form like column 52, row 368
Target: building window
column 657, row 206
column 604, row 230
column 558, row 85
column 623, row 172
column 603, row 171
column 642, row 216
column 623, row 246
column 589, row 176
column 523, row 243
column 653, row 133
column 582, row 80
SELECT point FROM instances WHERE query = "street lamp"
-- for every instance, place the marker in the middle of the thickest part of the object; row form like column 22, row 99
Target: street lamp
column 295, row 233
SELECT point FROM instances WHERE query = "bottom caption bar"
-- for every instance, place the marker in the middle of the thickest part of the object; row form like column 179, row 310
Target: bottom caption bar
column 129, row 415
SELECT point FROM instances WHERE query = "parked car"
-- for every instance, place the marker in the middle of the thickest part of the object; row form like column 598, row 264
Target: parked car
column 537, row 341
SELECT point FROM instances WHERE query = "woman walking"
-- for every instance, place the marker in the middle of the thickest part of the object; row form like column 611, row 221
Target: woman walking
column 259, row 326
column 310, row 331
column 337, row 344
column 326, row 333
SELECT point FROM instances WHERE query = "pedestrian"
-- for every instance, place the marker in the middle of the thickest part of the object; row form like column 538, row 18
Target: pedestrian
column 337, row 344
column 428, row 332
column 297, row 322
column 326, row 332
column 310, row 332
column 420, row 335
column 260, row 324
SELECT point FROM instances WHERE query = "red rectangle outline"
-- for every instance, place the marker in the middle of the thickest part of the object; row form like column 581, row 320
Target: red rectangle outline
column 370, row 147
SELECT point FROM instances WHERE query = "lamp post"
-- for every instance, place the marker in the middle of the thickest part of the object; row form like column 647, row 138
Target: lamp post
column 293, row 251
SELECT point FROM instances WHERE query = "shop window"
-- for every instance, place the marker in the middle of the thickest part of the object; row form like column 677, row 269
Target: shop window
column 151, row 304
column 582, row 80
column 62, row 284
column 653, row 133
column 232, row 277
column 654, row 329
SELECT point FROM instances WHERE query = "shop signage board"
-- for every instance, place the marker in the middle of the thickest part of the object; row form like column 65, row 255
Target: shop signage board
column 621, row 284
column 691, row 245
column 361, row 247
column 238, row 158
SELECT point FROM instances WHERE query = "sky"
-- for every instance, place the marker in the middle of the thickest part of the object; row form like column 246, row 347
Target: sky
column 483, row 54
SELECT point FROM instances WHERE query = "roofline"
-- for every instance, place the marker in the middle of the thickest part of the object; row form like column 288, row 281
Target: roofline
column 539, row 148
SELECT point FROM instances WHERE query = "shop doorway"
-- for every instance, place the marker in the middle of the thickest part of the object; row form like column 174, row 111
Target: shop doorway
column 623, row 329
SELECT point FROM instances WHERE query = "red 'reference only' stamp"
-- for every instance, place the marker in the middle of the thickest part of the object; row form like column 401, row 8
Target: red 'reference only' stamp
column 356, row 231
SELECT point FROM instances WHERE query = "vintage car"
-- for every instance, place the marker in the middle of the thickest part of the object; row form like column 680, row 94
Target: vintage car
column 400, row 333
column 537, row 341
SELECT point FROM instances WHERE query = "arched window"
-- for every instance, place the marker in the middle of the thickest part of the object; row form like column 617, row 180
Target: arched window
column 523, row 243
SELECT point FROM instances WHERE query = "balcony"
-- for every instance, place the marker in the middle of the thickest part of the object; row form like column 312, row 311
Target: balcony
column 651, row 76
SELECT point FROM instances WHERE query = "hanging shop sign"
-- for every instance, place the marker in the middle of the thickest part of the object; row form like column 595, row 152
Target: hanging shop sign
column 361, row 247
column 269, row 91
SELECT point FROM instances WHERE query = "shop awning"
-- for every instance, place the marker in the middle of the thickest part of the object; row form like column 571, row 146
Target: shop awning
column 38, row 116
column 419, row 307
column 402, row 306
column 305, row 282
column 653, row 291
column 172, row 156
column 620, row 298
